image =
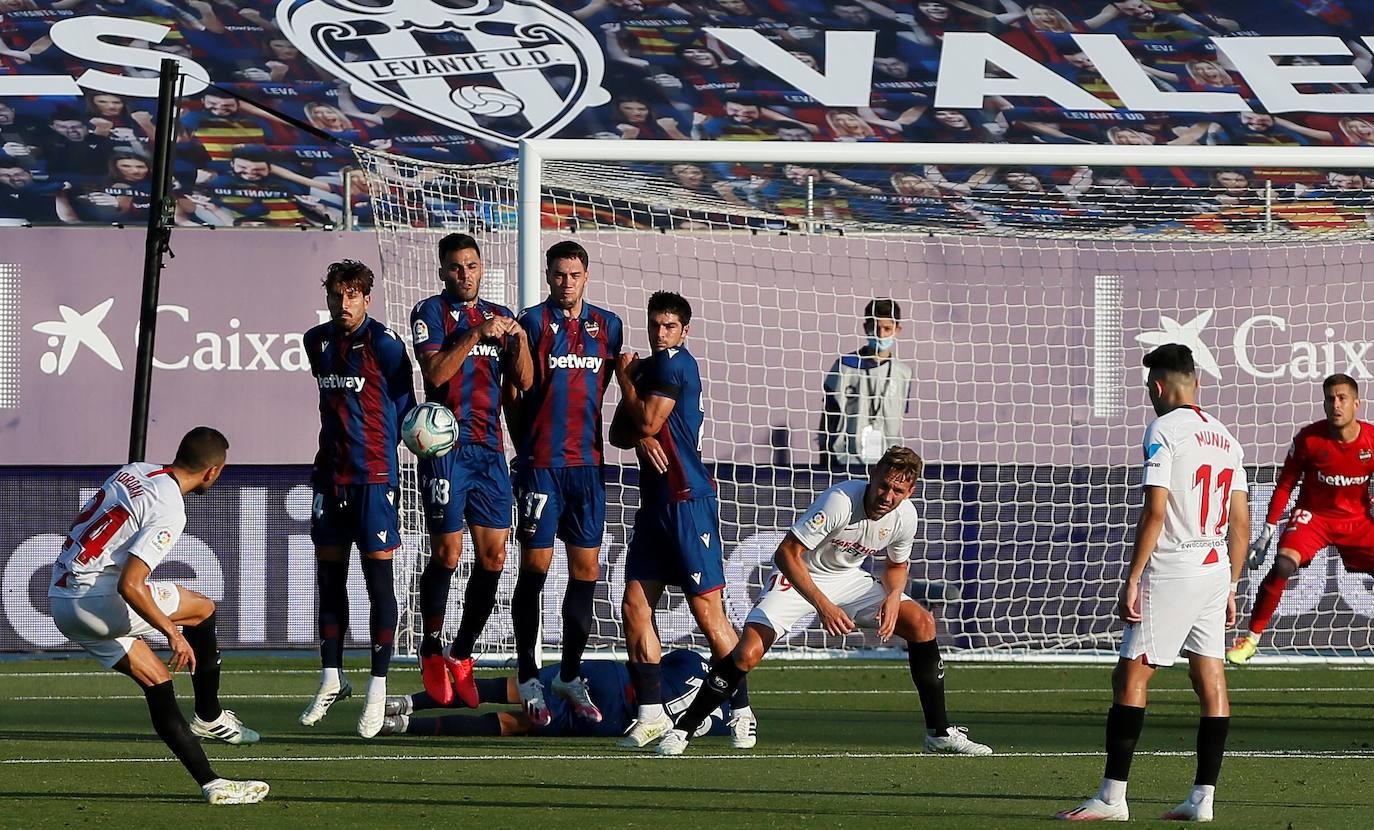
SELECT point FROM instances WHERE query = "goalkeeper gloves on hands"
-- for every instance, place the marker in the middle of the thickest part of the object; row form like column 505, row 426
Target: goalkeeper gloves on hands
column 1259, row 548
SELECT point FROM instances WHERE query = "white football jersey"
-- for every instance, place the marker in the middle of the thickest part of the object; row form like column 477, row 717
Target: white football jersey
column 838, row 535
column 138, row 511
column 1195, row 457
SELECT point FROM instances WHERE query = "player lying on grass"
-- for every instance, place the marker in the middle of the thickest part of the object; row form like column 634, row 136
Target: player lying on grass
column 818, row 567
column 607, row 681
column 102, row 601
column 1333, row 460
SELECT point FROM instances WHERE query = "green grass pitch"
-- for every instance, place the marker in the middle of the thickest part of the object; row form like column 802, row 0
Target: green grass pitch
column 838, row 747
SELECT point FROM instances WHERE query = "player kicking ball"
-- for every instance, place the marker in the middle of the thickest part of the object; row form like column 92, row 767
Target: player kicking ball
column 1333, row 460
column 608, row 683
column 102, row 601
column 1180, row 593
column 818, row 568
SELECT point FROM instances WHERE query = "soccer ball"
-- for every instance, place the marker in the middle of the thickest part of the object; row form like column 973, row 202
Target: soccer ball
column 429, row 430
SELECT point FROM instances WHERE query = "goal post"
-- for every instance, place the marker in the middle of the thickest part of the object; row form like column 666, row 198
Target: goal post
column 1030, row 279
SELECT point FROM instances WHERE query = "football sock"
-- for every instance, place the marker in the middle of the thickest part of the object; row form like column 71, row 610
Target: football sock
column 172, row 728
column 1270, row 592
column 434, row 585
column 458, row 726
column 1211, row 745
column 332, row 580
column 928, row 672
column 490, row 690
column 648, row 683
column 479, row 599
column 740, row 699
column 381, row 595
column 524, row 613
column 205, row 679
column 577, row 625
column 720, row 683
column 1112, row 791
column 1123, row 731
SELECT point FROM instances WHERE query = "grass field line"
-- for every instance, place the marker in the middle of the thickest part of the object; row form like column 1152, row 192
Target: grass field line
column 628, row 756
column 782, row 693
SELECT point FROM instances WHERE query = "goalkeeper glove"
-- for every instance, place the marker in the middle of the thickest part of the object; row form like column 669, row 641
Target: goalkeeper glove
column 1259, row 548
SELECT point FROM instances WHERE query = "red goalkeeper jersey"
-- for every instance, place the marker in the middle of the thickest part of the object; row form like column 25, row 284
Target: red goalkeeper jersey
column 1334, row 476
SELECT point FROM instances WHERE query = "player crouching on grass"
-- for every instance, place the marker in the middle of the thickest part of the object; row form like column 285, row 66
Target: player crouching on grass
column 102, row 601
column 818, row 567
column 1189, row 541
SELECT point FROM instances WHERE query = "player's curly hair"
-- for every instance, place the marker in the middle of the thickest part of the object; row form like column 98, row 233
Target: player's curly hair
column 349, row 273
column 902, row 461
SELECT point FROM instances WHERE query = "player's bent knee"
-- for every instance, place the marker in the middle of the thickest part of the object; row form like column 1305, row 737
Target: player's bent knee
column 143, row 666
column 1286, row 564
column 193, row 607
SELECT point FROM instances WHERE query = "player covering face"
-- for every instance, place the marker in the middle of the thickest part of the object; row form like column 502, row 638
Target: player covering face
column 1333, row 461
column 818, row 567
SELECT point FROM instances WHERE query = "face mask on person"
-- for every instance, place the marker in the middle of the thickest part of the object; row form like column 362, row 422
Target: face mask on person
column 881, row 344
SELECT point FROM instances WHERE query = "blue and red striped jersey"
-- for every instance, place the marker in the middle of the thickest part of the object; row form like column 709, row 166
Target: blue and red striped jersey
column 366, row 389
column 560, row 416
column 474, row 392
column 673, row 373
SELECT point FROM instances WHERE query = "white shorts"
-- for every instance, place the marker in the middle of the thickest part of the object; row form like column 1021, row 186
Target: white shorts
column 858, row 593
column 1177, row 615
column 105, row 625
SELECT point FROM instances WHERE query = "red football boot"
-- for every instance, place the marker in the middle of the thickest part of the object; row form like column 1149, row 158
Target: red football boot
column 464, row 686
column 434, row 672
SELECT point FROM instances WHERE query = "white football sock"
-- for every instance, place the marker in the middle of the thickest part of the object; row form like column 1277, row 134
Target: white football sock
column 330, row 676
column 376, row 690
column 653, row 711
column 1112, row 791
column 1202, row 792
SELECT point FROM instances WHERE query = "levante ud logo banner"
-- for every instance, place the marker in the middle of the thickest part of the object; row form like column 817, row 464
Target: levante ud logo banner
column 501, row 70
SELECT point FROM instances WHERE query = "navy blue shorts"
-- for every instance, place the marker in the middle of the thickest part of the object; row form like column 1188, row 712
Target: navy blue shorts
column 566, row 502
column 356, row 514
column 470, row 485
column 678, row 544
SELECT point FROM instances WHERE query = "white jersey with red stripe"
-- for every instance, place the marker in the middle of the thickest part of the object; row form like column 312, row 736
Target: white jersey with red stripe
column 137, row 511
column 1197, row 459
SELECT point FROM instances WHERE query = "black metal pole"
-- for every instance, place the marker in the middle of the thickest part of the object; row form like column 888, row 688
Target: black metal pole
column 161, row 218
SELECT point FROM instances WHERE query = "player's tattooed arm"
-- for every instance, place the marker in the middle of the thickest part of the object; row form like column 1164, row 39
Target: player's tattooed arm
column 788, row 560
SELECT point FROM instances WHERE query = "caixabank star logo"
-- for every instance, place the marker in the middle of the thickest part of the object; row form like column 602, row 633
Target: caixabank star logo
column 500, row 70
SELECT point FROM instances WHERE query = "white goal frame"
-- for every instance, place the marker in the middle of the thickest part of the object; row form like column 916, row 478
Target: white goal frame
column 535, row 153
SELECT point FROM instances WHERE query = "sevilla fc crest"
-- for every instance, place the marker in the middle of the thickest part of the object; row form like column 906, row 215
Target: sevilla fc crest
column 500, row 70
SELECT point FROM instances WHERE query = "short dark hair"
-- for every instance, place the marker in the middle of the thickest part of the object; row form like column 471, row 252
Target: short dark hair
column 349, row 273
column 566, row 250
column 201, row 448
column 66, row 114
column 884, row 307
column 1341, row 379
column 1175, row 358
column 455, row 242
column 670, row 302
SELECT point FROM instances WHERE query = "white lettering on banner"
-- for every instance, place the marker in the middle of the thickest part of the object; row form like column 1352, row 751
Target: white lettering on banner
column 215, row 351
column 848, row 77
column 575, row 361
column 1307, row 359
column 962, row 82
column 86, row 38
column 519, row 43
column 1277, row 85
column 1135, row 88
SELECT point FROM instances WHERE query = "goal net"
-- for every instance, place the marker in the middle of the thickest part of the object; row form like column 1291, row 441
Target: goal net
column 1029, row 280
